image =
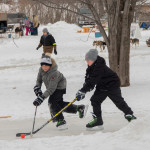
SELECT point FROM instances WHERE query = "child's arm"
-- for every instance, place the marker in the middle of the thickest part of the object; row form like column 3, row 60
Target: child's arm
column 40, row 44
column 39, row 79
column 93, row 80
column 52, row 85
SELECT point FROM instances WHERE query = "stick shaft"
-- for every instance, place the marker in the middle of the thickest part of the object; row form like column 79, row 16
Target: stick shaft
column 34, row 120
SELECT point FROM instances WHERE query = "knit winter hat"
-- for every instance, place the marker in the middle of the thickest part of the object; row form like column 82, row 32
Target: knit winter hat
column 45, row 30
column 91, row 55
column 46, row 60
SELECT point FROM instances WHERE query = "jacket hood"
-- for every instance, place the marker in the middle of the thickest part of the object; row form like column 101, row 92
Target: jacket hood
column 54, row 65
column 100, row 61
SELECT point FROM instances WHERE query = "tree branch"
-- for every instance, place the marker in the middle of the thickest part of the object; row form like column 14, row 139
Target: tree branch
column 98, row 21
column 63, row 8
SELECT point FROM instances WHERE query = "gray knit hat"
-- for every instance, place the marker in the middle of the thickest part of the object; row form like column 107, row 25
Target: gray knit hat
column 46, row 60
column 45, row 30
column 91, row 55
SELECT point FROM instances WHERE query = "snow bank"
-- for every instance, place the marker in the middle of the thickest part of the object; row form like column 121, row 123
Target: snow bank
column 64, row 25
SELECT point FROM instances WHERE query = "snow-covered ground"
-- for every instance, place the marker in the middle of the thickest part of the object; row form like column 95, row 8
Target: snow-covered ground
column 18, row 71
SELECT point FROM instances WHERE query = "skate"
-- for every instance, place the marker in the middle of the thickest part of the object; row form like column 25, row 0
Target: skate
column 82, row 109
column 61, row 125
column 130, row 117
column 95, row 124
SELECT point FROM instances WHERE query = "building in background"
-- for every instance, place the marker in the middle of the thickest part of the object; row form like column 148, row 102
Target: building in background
column 3, row 22
column 81, row 21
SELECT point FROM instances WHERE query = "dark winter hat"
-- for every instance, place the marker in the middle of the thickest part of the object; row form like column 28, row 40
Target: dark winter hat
column 45, row 30
column 46, row 60
column 91, row 55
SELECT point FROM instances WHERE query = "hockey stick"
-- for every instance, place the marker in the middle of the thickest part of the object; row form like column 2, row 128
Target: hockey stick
column 34, row 132
column 34, row 121
column 15, row 42
column 3, row 117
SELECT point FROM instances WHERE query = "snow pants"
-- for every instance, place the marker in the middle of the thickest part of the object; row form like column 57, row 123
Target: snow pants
column 56, row 103
column 35, row 31
column 115, row 95
column 27, row 30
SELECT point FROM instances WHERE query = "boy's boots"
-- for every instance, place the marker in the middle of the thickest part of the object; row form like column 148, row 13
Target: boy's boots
column 96, row 123
column 61, row 124
column 82, row 110
column 130, row 117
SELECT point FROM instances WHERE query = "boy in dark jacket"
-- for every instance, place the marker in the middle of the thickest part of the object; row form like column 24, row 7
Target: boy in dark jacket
column 48, row 43
column 107, row 84
column 55, row 84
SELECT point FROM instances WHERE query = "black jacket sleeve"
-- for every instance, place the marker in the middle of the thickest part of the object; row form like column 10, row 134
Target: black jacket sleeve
column 94, row 78
column 53, row 40
column 41, row 42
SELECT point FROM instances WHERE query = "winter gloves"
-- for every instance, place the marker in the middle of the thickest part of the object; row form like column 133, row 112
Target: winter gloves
column 37, row 90
column 80, row 95
column 38, row 47
column 38, row 101
column 40, row 98
column 55, row 51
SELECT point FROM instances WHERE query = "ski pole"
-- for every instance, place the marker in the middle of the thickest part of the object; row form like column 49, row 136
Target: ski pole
column 34, row 121
column 34, row 132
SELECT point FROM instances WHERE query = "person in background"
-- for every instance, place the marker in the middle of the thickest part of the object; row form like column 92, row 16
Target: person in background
column 21, row 27
column 31, row 28
column 35, row 24
column 48, row 43
column 27, row 25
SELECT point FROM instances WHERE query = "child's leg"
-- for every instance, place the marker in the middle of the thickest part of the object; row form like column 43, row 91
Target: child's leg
column 27, row 30
column 96, row 101
column 118, row 100
column 55, row 101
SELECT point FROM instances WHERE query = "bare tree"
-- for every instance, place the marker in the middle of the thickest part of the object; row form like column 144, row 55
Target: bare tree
column 119, row 13
column 120, row 16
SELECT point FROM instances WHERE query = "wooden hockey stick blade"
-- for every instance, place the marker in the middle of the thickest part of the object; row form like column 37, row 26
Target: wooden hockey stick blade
column 5, row 116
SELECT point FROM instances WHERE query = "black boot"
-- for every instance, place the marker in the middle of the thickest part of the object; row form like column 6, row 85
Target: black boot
column 130, row 117
column 61, row 124
column 97, row 122
column 82, row 109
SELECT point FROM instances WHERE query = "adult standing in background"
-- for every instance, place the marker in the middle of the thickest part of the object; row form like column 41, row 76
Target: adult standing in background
column 35, row 24
column 27, row 25
column 48, row 43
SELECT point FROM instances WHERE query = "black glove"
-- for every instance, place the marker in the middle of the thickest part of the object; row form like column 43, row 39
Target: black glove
column 37, row 47
column 37, row 90
column 80, row 95
column 55, row 51
column 38, row 101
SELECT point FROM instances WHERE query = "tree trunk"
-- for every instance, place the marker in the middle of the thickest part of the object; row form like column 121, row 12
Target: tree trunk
column 119, row 23
column 124, row 64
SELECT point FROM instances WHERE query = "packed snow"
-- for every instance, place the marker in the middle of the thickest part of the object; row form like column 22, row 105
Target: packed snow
column 19, row 66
